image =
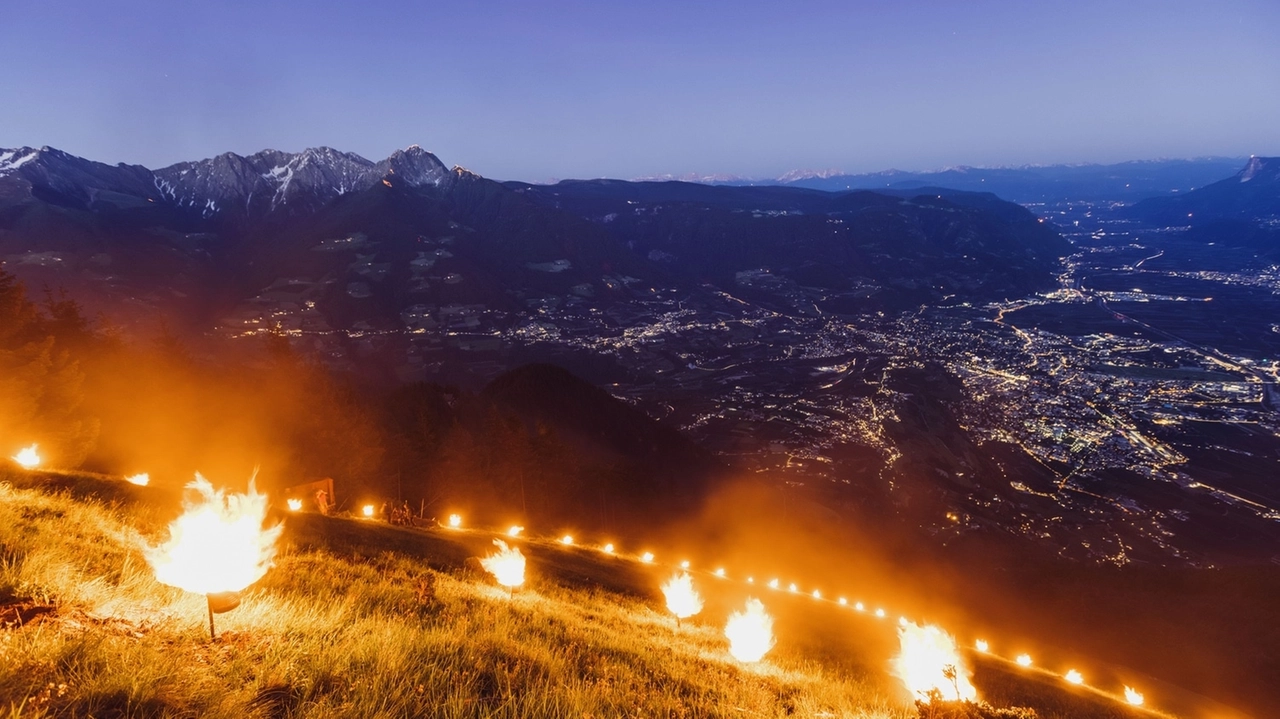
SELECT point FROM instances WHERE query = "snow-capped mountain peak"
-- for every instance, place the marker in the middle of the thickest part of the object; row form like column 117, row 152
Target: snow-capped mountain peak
column 413, row 165
column 277, row 179
column 797, row 175
column 1261, row 167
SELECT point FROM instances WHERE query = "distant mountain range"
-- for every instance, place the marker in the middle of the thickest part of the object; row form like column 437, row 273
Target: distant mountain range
column 364, row 242
column 1127, row 181
column 228, row 184
column 1251, row 194
column 1241, row 211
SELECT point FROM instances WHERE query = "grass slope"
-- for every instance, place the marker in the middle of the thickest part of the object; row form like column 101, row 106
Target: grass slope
column 365, row 620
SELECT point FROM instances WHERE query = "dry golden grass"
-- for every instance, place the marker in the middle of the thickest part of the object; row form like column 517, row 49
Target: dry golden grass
column 352, row 622
column 361, row 619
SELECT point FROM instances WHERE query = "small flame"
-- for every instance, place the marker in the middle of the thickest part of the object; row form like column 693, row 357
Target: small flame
column 455, row 520
column 751, row 580
column 608, row 548
column 647, row 557
column 368, row 510
column 28, row 458
column 506, row 565
column 720, row 572
column 1024, row 660
column 141, row 480
column 793, row 588
column 1133, row 696
column 750, row 632
column 773, row 583
column 860, row 607
column 879, row 614
column 684, row 564
column 682, row 599
column 218, row 544
column 817, row 594
column 566, row 539
column 981, row 645
column 1074, row 677
column 843, row 601
column 295, row 505
column 929, row 661
column 515, row 530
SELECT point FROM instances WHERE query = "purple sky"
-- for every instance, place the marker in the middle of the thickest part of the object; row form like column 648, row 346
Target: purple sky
column 547, row 89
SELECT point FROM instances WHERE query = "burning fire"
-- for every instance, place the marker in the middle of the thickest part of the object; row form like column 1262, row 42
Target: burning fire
column 368, row 510
column 773, row 583
column 295, row 504
column 1024, row 660
column 750, row 632
column 860, row 607
column 817, row 594
column 1133, row 696
column 929, row 661
column 455, row 520
column 981, row 645
column 1074, row 677
column 515, row 530
column 141, row 480
column 720, row 572
column 218, row 545
column 28, row 458
column 682, row 599
column 608, row 548
column 647, row 557
column 506, row 565
column 684, row 564
column 842, row 601
column 566, row 539
column 879, row 614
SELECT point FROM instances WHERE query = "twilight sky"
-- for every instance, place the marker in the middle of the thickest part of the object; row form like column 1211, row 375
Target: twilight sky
column 549, row 89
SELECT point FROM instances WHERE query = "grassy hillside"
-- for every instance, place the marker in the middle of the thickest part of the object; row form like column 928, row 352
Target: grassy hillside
column 359, row 619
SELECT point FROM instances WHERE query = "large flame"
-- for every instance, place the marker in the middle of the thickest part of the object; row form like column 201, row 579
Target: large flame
column 28, row 457
column 141, row 480
column 1133, row 696
column 929, row 661
column 218, row 544
column 750, row 633
column 682, row 599
column 506, row 565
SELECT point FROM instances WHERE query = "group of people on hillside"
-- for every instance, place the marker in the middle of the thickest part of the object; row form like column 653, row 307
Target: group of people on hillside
column 399, row 515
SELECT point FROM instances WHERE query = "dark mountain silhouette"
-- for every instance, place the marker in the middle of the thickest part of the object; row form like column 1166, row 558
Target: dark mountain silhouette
column 1252, row 194
column 363, row 241
column 676, row 469
column 539, row 444
column 904, row 248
